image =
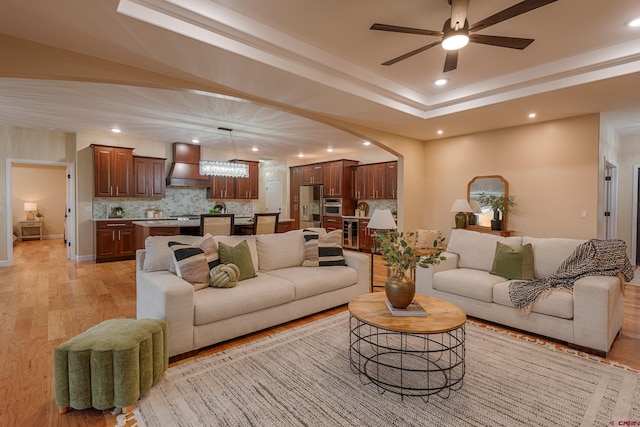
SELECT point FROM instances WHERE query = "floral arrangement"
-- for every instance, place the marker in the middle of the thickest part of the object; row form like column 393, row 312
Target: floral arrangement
column 499, row 203
column 118, row 211
column 399, row 251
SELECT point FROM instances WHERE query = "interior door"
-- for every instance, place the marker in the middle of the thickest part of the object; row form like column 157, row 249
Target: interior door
column 274, row 196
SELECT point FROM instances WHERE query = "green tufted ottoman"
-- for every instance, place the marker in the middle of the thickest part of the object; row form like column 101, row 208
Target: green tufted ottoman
column 111, row 364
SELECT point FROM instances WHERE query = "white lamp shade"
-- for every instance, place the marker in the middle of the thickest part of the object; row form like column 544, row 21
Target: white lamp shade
column 382, row 219
column 30, row 206
column 475, row 206
column 461, row 205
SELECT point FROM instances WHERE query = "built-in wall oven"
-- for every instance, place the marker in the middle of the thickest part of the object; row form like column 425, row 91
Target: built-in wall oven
column 350, row 233
column 332, row 207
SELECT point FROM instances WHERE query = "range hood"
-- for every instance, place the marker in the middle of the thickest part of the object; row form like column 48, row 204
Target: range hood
column 184, row 171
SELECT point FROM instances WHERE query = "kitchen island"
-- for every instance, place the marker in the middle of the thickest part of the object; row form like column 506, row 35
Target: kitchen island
column 165, row 227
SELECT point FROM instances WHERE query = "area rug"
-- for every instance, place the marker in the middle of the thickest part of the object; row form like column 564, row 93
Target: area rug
column 302, row 377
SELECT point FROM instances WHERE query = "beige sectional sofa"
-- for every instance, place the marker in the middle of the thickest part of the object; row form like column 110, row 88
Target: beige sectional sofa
column 588, row 318
column 282, row 290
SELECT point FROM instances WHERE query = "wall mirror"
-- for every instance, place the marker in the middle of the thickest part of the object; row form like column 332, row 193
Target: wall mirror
column 490, row 184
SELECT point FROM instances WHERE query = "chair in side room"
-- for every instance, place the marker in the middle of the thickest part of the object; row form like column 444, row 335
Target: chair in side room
column 265, row 223
column 216, row 224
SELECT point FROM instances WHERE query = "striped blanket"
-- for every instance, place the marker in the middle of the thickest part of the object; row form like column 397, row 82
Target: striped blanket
column 592, row 258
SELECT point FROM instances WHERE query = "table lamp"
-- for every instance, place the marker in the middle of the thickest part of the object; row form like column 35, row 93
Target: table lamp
column 382, row 219
column 461, row 206
column 30, row 208
column 475, row 209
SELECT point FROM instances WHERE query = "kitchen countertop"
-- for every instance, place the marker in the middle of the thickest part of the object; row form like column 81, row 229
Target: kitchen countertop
column 169, row 223
column 172, row 222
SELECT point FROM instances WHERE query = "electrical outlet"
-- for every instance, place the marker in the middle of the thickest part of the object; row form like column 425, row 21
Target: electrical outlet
column 584, row 214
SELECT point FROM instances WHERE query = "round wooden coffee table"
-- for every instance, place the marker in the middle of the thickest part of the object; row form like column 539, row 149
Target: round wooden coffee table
column 407, row 355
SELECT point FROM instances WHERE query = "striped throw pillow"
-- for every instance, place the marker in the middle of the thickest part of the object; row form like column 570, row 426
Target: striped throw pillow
column 191, row 264
column 323, row 250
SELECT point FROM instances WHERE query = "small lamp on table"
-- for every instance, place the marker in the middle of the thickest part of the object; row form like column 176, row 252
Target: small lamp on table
column 30, row 208
column 382, row 219
column 461, row 206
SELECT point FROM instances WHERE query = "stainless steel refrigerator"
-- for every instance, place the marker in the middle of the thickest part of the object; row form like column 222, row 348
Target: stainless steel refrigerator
column 310, row 206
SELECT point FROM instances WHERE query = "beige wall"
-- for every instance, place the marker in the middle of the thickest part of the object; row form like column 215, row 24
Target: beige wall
column 47, row 186
column 551, row 169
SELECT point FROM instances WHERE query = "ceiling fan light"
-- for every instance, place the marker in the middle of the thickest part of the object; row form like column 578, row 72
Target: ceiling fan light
column 455, row 40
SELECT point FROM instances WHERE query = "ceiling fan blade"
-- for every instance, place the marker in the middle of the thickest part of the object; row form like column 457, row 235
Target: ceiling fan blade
column 407, row 30
column 410, row 54
column 458, row 12
column 510, row 12
column 451, row 61
column 510, row 42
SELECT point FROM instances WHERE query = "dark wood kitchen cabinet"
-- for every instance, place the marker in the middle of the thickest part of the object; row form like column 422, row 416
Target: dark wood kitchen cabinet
column 331, row 223
column 115, row 240
column 113, row 171
column 375, row 181
column 247, row 188
column 312, row 174
column 336, row 178
column 295, row 181
column 366, row 240
column 221, row 187
column 149, row 179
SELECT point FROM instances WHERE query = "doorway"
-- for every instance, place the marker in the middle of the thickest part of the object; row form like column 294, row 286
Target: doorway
column 273, row 201
column 610, row 200
column 64, row 216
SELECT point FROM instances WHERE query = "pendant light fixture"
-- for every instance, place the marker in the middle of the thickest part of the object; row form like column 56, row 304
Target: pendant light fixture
column 220, row 168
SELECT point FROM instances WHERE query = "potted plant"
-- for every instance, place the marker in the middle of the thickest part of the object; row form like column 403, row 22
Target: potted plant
column 401, row 256
column 500, row 205
column 118, row 211
column 39, row 216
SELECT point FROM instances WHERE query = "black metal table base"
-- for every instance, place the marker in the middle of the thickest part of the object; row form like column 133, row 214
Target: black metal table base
column 407, row 364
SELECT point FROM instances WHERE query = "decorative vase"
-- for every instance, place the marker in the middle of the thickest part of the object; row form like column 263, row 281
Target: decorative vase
column 496, row 222
column 461, row 220
column 400, row 290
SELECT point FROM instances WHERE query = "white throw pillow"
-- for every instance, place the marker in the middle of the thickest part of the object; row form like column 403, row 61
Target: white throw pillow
column 158, row 256
column 425, row 238
column 549, row 253
column 280, row 250
column 477, row 249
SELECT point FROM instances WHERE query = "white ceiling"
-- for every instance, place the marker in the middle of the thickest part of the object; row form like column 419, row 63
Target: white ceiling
column 322, row 58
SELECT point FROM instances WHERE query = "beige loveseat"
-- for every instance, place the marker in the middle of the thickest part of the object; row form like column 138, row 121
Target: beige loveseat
column 588, row 318
column 283, row 290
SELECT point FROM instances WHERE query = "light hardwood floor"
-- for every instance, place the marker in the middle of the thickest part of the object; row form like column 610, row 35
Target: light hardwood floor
column 46, row 299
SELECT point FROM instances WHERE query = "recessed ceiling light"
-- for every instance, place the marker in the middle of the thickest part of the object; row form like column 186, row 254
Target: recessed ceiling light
column 254, row 149
column 366, row 143
column 301, row 155
column 441, row 82
column 440, row 131
column 115, row 130
column 195, row 141
column 634, row 23
column 329, row 150
column 532, row 115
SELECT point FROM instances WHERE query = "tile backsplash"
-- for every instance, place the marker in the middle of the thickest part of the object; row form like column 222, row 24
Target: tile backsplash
column 177, row 201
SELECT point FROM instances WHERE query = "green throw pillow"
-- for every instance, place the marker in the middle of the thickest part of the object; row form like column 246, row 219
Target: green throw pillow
column 239, row 255
column 513, row 263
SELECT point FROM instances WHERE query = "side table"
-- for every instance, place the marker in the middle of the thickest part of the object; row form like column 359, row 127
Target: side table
column 30, row 230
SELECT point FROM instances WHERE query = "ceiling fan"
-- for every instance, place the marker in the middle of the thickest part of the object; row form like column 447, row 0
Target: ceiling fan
column 457, row 32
